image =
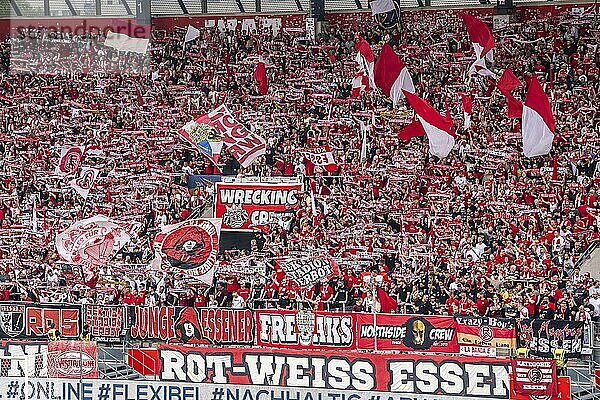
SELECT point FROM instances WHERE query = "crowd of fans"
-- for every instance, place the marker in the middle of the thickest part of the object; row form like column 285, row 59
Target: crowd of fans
column 484, row 231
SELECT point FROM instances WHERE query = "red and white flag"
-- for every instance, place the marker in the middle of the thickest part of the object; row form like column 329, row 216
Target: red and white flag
column 538, row 122
column 321, row 156
column 535, row 377
column 481, row 37
column 479, row 67
column 85, row 182
column 467, row 104
column 260, row 75
column 439, row 130
column 360, row 84
column 366, row 60
column 70, row 160
column 391, row 75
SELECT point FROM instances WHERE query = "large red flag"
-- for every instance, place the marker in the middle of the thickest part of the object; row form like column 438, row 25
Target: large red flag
column 391, row 74
column 480, row 35
column 387, row 303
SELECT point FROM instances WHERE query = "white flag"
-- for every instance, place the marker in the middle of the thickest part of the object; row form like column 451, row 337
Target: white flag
column 84, row 183
column 191, row 34
column 382, row 6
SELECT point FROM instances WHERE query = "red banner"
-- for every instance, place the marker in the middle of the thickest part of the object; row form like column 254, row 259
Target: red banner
column 248, row 205
column 433, row 377
column 305, row 329
column 72, row 359
column 193, row 325
column 534, row 377
column 563, row 391
column 407, row 333
column 65, row 319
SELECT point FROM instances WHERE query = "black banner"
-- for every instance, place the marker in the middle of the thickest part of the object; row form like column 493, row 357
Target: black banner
column 107, row 324
column 542, row 337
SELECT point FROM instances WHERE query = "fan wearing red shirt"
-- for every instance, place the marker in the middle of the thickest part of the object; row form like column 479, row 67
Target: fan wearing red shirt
column 465, row 304
column 482, row 304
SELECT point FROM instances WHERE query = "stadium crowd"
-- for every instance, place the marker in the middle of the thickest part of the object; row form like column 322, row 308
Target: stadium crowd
column 484, row 231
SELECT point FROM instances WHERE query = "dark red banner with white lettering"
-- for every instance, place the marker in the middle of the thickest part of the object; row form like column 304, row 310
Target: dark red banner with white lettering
column 534, row 377
column 247, row 206
column 192, row 325
column 106, row 323
column 72, row 359
column 425, row 378
column 406, row 333
column 305, row 329
column 307, row 271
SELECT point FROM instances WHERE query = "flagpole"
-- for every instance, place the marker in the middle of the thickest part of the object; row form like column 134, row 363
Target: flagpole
column 374, row 316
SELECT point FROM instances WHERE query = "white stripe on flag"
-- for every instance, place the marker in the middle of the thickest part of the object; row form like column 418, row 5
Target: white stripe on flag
column 403, row 81
column 537, row 137
column 440, row 142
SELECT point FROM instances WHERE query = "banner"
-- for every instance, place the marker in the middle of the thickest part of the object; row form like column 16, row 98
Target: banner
column 542, row 337
column 191, row 325
column 534, row 377
column 433, row 377
column 407, row 333
column 84, row 183
column 243, row 145
column 191, row 247
column 98, row 389
column 32, row 321
column 321, row 156
column 248, row 205
column 481, row 336
column 106, row 323
column 305, row 272
column 199, row 133
column 305, row 329
column 65, row 318
column 24, row 358
column 72, row 359
column 563, row 388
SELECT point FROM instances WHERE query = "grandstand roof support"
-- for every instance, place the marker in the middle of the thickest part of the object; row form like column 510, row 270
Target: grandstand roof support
column 16, row 8
column 181, row 5
column 98, row 7
column 299, row 5
column 258, row 6
column 46, row 8
column 127, row 8
column 204, row 6
column 240, row 5
column 71, row 8
column 358, row 4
